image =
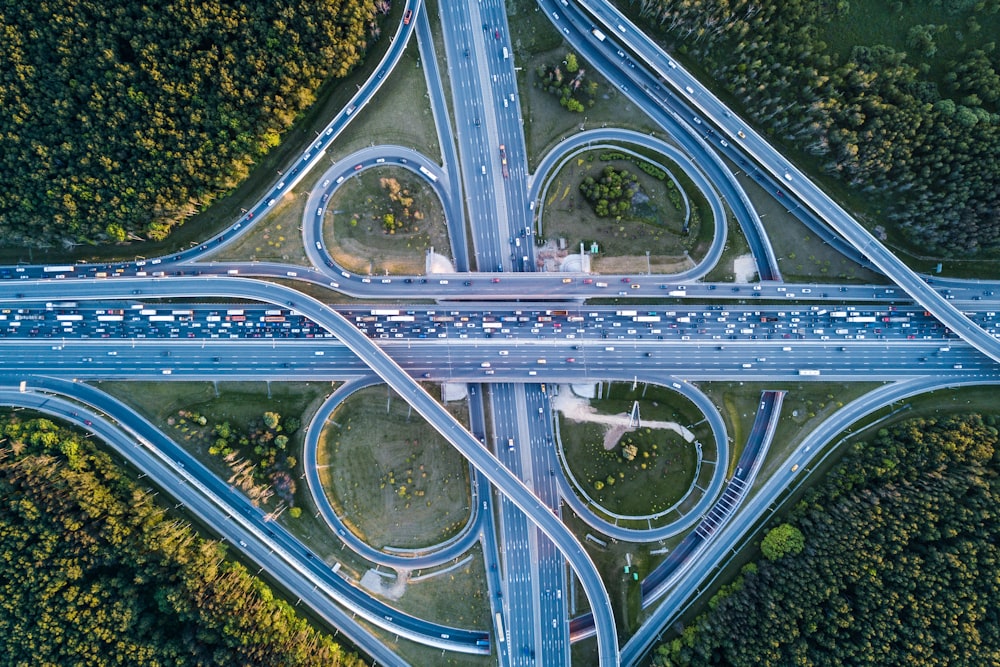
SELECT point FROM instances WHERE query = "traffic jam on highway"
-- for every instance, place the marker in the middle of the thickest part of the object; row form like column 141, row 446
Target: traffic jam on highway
column 687, row 322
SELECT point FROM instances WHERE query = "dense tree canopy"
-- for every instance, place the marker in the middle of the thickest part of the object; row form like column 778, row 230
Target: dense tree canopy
column 121, row 117
column 924, row 150
column 899, row 565
column 93, row 571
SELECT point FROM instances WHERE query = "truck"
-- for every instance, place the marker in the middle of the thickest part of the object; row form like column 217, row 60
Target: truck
column 808, row 371
column 598, row 34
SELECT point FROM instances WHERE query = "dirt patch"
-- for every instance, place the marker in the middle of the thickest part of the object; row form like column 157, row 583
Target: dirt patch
column 744, row 268
column 385, row 586
column 580, row 410
column 632, row 264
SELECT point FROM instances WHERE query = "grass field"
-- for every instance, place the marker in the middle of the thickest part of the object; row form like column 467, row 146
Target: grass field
column 395, row 480
column 456, row 596
column 664, row 464
column 565, row 214
column 355, row 235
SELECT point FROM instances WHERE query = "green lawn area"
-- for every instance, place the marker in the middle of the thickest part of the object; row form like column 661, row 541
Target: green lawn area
column 656, row 225
column 396, row 481
column 456, row 596
column 354, row 229
column 658, row 476
column 663, row 466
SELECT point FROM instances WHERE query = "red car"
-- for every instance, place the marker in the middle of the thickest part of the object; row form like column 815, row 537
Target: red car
column 496, row 280
column 497, row 34
column 407, row 16
column 358, row 167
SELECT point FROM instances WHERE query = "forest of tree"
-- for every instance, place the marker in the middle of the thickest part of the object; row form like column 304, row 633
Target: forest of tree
column 923, row 149
column 94, row 572
column 891, row 560
column 119, row 119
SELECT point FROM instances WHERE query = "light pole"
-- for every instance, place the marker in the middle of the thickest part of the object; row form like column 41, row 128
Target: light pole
column 649, row 269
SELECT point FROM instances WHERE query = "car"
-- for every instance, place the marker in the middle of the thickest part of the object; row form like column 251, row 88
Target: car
column 636, row 285
column 426, row 375
column 588, row 281
column 497, row 34
column 88, row 422
column 358, row 167
column 626, row 280
column 407, row 16
column 567, row 280
column 570, row 360
column 739, row 133
column 468, row 283
column 496, row 280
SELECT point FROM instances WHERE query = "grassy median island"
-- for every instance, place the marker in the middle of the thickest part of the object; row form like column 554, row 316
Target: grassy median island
column 637, row 472
column 385, row 220
column 657, row 220
column 396, row 481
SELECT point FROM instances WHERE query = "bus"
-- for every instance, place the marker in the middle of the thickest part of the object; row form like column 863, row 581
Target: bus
column 400, row 318
column 384, row 311
column 69, row 268
column 426, row 172
column 808, row 371
column 500, row 634
column 273, row 318
column 646, row 318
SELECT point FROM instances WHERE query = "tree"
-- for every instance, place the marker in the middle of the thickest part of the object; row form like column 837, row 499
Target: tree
column 271, row 420
column 572, row 66
column 781, row 541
